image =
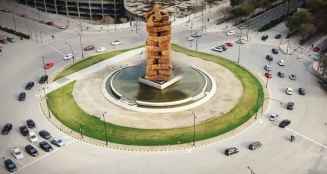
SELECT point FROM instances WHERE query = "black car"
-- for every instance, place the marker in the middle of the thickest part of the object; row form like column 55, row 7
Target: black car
column 292, row 77
column 89, row 48
column 29, row 85
column 45, row 134
column 231, row 151
column 10, row 165
column 6, row 129
column 284, row 123
column 290, row 105
column 274, row 51
column 43, row 79
column 269, row 57
column 278, row 36
column 302, row 91
column 31, row 150
column 23, row 130
column 255, row 145
column 30, row 123
column 45, row 146
column 264, row 37
column 22, row 96
column 281, row 74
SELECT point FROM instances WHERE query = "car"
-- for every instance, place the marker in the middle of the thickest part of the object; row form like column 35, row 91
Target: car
column 50, row 23
column 284, row 123
column 45, row 146
column 16, row 153
column 301, row 91
column 289, row 91
column 48, row 65
column 255, row 145
column 268, row 75
column 23, row 130
column 30, row 123
column 231, row 151
column 32, row 137
column 100, row 49
column 269, row 58
column 217, row 49
column 290, row 105
column 231, row 33
column 273, row 116
column 316, row 49
column 68, row 56
column 57, row 142
column 43, row 79
column 190, row 38
column 196, row 34
column 6, row 129
column 29, row 85
column 281, row 62
column 31, row 150
column 229, row 44
column 274, row 51
column 292, row 77
column 11, row 39
column 117, row 42
column 264, row 37
column 278, row 36
column 268, row 67
column 281, row 74
column 45, row 134
column 89, row 48
column 10, row 165
column 21, row 96
column 241, row 41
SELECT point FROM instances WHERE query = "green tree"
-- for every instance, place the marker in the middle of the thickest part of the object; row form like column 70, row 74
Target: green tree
column 297, row 19
column 235, row 2
column 243, row 10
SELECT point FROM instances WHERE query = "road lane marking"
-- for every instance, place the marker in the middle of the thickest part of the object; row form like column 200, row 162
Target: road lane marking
column 307, row 138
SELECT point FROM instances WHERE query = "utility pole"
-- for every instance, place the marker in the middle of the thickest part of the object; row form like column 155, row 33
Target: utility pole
column 105, row 127
column 194, row 117
column 80, row 42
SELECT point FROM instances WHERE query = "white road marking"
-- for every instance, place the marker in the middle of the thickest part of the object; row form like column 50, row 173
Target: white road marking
column 307, row 138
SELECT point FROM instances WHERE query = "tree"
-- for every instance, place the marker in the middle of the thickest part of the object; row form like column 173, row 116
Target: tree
column 243, row 10
column 297, row 19
column 235, row 2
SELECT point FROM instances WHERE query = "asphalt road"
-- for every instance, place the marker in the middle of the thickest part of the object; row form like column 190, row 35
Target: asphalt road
column 22, row 61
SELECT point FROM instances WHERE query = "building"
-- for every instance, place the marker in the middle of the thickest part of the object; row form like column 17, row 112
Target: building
column 92, row 9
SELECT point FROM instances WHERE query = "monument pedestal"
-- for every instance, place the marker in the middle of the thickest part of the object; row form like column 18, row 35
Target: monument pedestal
column 160, row 86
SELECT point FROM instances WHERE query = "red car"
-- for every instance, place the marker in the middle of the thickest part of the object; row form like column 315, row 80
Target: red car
column 268, row 75
column 229, row 44
column 316, row 49
column 48, row 65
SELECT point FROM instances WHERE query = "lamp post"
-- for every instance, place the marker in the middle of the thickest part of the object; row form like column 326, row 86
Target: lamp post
column 105, row 127
column 80, row 42
column 194, row 117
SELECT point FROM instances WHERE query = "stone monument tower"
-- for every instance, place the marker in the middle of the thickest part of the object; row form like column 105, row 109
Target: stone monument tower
column 158, row 48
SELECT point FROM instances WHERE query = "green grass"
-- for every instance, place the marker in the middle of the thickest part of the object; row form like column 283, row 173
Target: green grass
column 90, row 61
column 65, row 109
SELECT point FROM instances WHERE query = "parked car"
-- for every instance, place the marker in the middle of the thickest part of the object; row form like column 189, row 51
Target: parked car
column 278, row 36
column 316, row 49
column 23, row 130
column 45, row 134
column 29, row 85
column 255, row 145
column 229, row 44
column 195, row 35
column 48, row 65
column 292, row 77
column 301, row 91
column 217, row 49
column 89, row 48
column 290, row 105
column 274, row 51
column 6, row 129
column 231, row 151
column 10, row 165
column 190, row 38
column 32, row 137
column 45, row 146
column 100, row 49
column 264, row 37
column 289, row 91
column 281, row 74
column 31, row 150
column 30, row 123
column 43, row 79
column 68, row 56
column 268, row 67
column 273, row 117
column 284, row 123
column 57, row 142
column 281, row 62
column 268, row 75
column 231, row 33
column 117, row 42
column 16, row 153
column 269, row 57
column 21, row 96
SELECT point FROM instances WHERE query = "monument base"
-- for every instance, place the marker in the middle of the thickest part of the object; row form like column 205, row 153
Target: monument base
column 160, row 86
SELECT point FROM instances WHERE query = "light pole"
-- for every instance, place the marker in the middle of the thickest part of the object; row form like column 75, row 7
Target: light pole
column 80, row 42
column 105, row 127
column 250, row 169
column 194, row 117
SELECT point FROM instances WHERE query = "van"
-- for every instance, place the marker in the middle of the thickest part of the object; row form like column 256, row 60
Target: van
column 231, row 151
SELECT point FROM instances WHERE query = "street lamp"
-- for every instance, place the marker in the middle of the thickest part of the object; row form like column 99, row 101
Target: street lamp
column 105, row 127
column 80, row 42
column 194, row 117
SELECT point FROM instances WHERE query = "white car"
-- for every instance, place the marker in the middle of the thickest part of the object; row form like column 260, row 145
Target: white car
column 196, row 34
column 68, row 56
column 268, row 67
column 281, row 62
column 218, row 49
column 101, row 49
column 289, row 91
column 190, row 38
column 57, row 142
column 241, row 41
column 273, row 117
column 115, row 42
column 32, row 137
column 17, row 153
column 231, row 33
